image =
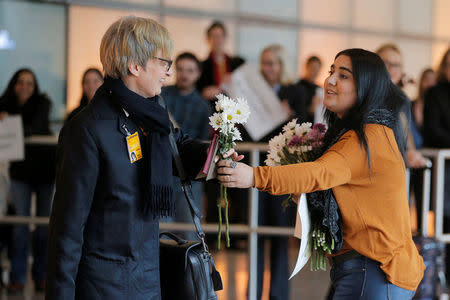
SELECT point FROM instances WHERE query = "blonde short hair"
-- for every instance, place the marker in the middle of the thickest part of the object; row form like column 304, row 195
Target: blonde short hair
column 132, row 39
column 280, row 52
column 388, row 46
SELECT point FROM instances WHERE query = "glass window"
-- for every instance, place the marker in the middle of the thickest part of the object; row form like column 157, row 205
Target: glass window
column 138, row 1
column 374, row 15
column 415, row 16
column 279, row 9
column 194, row 39
column 253, row 39
column 438, row 50
column 414, row 61
column 324, row 44
column 368, row 42
column 334, row 12
column 441, row 20
column 210, row 5
column 86, row 28
column 39, row 44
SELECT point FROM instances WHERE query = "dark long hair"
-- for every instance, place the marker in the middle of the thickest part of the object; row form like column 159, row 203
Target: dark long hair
column 375, row 90
column 421, row 92
column 441, row 70
column 9, row 98
column 84, row 100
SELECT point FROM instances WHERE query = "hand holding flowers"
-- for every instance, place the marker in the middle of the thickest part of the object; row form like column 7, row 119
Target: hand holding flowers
column 229, row 112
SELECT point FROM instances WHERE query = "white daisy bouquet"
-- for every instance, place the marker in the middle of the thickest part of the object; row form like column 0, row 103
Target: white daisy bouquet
column 295, row 144
column 229, row 112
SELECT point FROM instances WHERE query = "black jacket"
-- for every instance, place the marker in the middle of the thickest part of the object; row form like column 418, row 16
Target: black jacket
column 39, row 163
column 207, row 77
column 101, row 244
column 436, row 121
column 309, row 89
column 83, row 102
column 296, row 96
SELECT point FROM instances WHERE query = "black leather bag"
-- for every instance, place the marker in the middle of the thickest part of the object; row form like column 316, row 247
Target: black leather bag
column 187, row 268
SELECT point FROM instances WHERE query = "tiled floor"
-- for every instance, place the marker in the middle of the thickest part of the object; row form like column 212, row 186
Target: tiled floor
column 233, row 266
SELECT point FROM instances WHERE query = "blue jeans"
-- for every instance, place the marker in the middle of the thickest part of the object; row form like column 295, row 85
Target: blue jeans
column 362, row 278
column 21, row 195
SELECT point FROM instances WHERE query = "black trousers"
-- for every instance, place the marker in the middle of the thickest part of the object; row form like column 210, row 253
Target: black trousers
column 271, row 213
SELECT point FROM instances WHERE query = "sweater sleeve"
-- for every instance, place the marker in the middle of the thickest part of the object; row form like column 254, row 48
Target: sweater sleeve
column 333, row 168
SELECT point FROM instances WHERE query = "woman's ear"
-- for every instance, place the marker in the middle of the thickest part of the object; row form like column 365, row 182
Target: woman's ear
column 134, row 68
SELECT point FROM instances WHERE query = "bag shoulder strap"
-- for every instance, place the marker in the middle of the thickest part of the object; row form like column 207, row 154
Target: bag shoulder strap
column 185, row 182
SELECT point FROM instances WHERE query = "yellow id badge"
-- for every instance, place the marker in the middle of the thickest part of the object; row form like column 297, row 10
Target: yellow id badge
column 134, row 147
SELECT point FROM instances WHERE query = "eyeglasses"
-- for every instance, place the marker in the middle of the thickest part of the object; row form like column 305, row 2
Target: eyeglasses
column 167, row 62
column 392, row 65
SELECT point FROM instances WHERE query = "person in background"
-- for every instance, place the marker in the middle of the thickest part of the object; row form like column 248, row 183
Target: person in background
column 92, row 79
column 217, row 67
column 308, row 82
column 426, row 81
column 362, row 170
column 436, row 128
column 36, row 174
column 191, row 112
column 104, row 224
column 274, row 68
column 392, row 58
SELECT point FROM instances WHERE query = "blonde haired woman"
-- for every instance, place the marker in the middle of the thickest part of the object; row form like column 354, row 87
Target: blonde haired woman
column 274, row 66
column 276, row 70
column 104, row 223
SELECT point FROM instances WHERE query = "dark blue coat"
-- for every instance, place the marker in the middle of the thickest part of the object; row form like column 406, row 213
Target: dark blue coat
column 101, row 245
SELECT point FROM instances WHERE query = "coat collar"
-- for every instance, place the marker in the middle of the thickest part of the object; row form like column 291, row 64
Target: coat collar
column 104, row 108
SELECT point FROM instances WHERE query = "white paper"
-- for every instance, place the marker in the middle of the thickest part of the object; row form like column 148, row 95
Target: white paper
column 319, row 109
column 11, row 139
column 266, row 111
column 302, row 229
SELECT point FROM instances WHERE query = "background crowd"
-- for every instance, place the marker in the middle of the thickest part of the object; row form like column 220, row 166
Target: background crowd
column 190, row 100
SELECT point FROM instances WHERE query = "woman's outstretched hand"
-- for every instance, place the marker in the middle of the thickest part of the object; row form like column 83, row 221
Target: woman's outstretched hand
column 235, row 174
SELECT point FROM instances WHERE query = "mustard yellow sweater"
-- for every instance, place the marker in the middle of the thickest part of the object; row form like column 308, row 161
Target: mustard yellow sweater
column 374, row 208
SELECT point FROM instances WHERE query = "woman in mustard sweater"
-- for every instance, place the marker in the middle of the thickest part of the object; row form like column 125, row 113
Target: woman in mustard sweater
column 361, row 169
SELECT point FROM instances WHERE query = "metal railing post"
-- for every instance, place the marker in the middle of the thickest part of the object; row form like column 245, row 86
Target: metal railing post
column 253, row 235
column 425, row 200
column 439, row 173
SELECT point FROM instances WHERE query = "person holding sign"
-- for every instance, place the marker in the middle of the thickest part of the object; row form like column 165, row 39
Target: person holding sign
column 35, row 174
column 273, row 66
column 114, row 174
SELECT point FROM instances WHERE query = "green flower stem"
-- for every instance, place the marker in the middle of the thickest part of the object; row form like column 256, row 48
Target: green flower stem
column 321, row 243
column 219, row 206
column 225, row 144
column 227, row 225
